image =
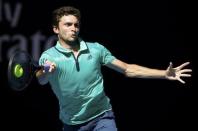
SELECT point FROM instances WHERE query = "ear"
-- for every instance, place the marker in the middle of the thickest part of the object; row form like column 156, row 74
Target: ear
column 55, row 29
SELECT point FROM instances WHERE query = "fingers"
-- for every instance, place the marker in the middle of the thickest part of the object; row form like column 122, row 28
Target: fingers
column 180, row 72
column 179, row 79
column 185, row 75
column 183, row 65
column 50, row 66
column 170, row 66
column 185, row 70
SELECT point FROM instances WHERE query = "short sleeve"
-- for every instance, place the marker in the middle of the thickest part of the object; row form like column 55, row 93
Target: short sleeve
column 44, row 57
column 105, row 55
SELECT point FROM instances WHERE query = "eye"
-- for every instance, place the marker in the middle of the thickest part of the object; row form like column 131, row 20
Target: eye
column 76, row 25
column 68, row 24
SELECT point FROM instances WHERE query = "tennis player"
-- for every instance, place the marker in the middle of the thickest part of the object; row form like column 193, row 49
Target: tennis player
column 76, row 79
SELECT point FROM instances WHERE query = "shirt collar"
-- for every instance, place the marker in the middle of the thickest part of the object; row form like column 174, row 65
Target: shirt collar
column 83, row 46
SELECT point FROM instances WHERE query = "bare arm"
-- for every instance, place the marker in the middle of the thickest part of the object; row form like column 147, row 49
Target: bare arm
column 137, row 71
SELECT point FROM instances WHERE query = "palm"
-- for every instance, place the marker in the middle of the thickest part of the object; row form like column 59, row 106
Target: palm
column 178, row 72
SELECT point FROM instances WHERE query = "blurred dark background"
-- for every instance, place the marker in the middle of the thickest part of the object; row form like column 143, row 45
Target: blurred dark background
column 149, row 33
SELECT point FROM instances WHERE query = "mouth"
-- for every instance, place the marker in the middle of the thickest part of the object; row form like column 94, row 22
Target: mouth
column 73, row 35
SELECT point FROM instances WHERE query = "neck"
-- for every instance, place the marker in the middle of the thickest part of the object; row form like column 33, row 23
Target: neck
column 74, row 46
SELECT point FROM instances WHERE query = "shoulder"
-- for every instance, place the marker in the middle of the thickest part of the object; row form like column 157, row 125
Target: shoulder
column 51, row 51
column 50, row 54
column 95, row 45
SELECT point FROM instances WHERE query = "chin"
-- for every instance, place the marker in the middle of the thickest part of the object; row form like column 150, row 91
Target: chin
column 73, row 39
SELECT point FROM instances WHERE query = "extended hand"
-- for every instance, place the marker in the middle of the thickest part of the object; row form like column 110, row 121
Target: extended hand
column 177, row 72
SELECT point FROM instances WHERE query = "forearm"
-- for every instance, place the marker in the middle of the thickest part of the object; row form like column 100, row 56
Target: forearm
column 133, row 70
column 137, row 71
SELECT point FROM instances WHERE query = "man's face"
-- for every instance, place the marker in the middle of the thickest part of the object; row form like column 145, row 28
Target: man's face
column 68, row 28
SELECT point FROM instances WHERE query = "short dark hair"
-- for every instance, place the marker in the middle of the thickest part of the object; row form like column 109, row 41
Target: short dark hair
column 65, row 10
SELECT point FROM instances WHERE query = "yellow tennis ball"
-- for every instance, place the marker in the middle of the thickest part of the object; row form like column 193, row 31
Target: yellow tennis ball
column 18, row 71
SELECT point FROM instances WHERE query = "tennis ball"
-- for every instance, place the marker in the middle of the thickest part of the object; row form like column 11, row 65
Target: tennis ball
column 18, row 71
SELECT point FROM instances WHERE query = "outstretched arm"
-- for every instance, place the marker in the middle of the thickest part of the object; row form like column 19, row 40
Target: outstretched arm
column 137, row 71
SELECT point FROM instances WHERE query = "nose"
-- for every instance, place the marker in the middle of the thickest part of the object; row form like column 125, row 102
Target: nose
column 74, row 27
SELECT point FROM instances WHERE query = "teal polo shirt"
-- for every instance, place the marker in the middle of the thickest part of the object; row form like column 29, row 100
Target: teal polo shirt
column 78, row 82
